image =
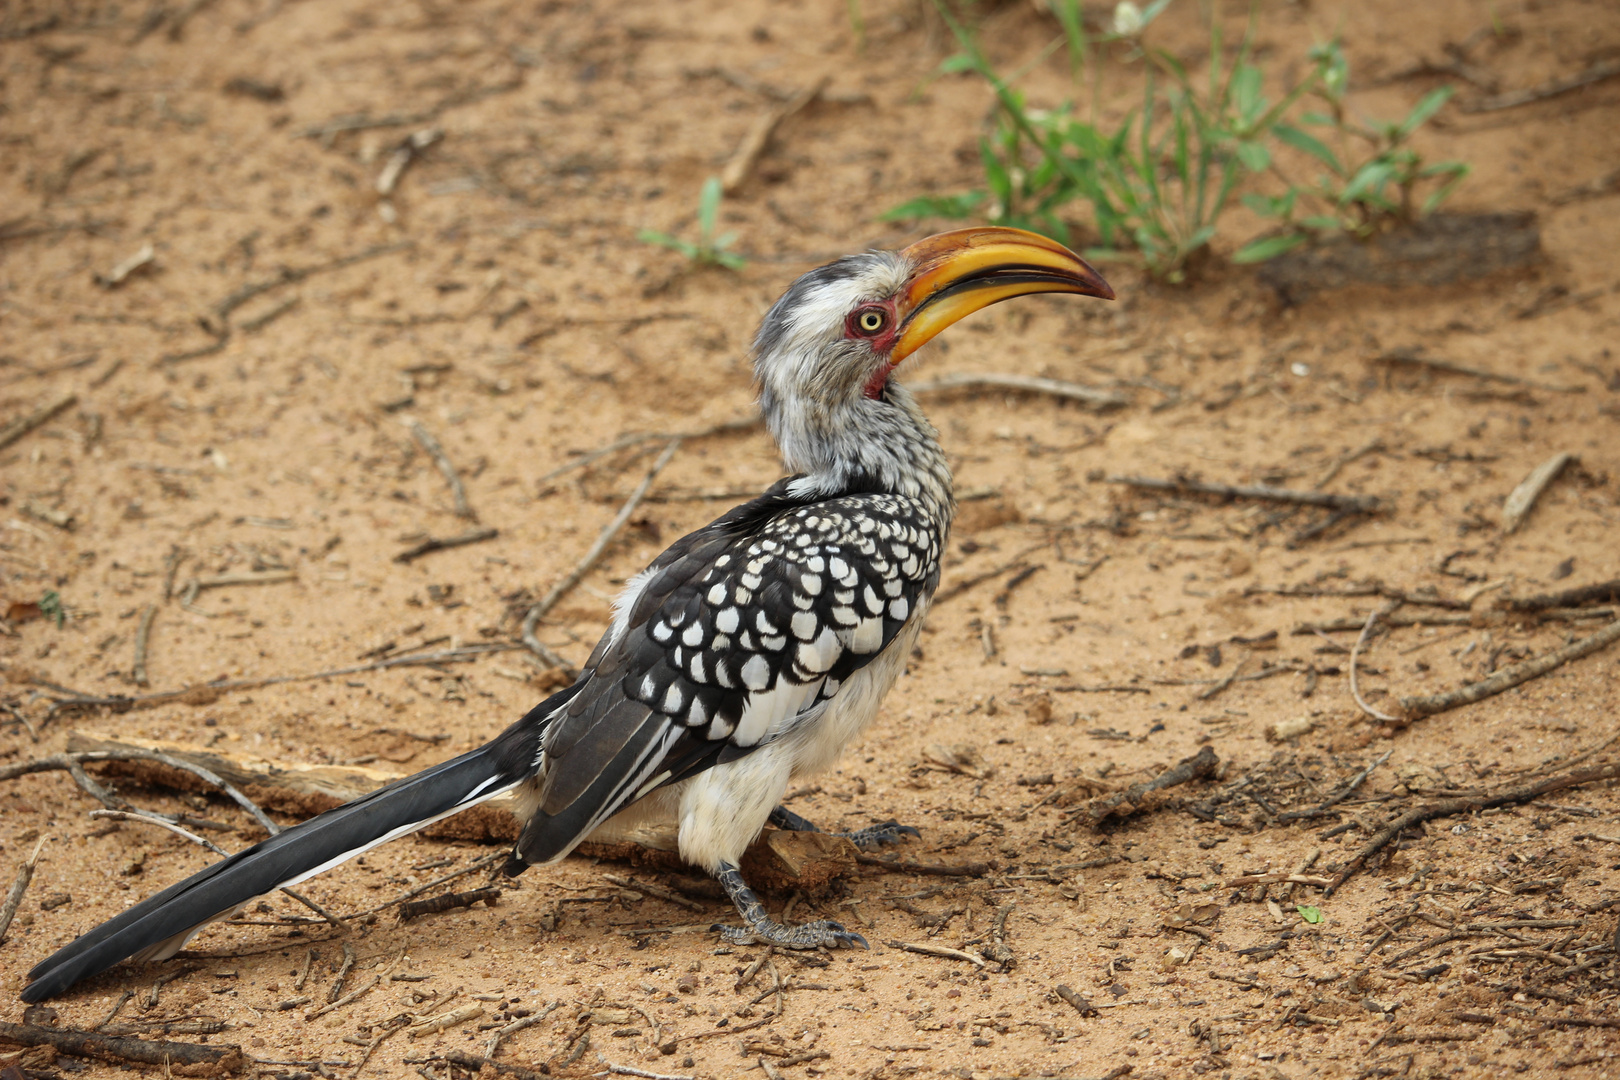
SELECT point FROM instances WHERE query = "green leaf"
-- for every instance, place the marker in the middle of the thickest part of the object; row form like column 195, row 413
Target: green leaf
column 1318, row 119
column 708, row 208
column 1255, row 156
column 1299, row 140
column 1311, row 915
column 1423, row 110
column 1368, row 182
column 1324, row 222
column 50, row 606
column 1277, row 206
column 995, row 173
column 953, row 207
column 1247, row 101
column 955, row 65
column 1268, row 248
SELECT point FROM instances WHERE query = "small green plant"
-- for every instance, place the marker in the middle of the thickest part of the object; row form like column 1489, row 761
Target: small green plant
column 710, row 250
column 1157, row 184
column 50, row 606
column 1388, row 183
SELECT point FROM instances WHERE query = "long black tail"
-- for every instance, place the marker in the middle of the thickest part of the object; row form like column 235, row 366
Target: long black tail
column 160, row 926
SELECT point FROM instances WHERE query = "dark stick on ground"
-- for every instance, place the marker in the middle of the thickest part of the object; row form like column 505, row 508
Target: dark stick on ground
column 1338, row 796
column 1132, row 799
column 973, row 869
column 1467, row 804
column 19, row 886
column 1412, row 358
column 475, row 1064
column 21, row 426
column 1509, row 677
column 89, row 1044
column 1360, row 504
column 1604, row 592
column 458, row 490
column 435, row 543
column 448, row 902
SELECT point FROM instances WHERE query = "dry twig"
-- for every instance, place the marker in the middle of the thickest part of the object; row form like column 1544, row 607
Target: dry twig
column 938, row 950
column 1598, row 72
column 1508, row 677
column 1523, row 498
column 1132, row 799
column 574, row 576
column 458, row 490
column 224, row 1058
column 1100, row 399
column 21, row 426
column 1359, row 504
column 752, row 148
column 1355, row 655
column 19, row 886
column 1467, row 804
column 435, row 543
column 143, row 636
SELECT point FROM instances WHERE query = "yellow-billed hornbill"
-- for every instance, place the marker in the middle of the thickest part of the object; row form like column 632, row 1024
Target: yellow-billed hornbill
column 745, row 657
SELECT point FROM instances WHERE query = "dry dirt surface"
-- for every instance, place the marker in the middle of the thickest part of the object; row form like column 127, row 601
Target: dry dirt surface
column 236, row 471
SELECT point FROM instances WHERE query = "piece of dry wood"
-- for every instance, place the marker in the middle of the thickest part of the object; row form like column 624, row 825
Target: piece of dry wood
column 625, row 442
column 16, row 429
column 1360, row 504
column 187, row 1059
column 446, row 1020
column 448, row 902
column 1523, row 498
column 118, row 274
column 1468, row 804
column 583, row 567
column 1606, row 69
column 752, row 148
column 1355, row 655
column 1414, row 358
column 1603, row 592
column 74, row 762
column 1338, row 796
column 779, row 858
column 1509, row 677
column 458, row 490
column 1081, row 1005
column 143, row 636
column 436, row 543
column 994, row 380
column 19, row 886
column 1396, row 618
column 938, row 950
column 1274, row 879
column 1138, row 797
column 896, row 866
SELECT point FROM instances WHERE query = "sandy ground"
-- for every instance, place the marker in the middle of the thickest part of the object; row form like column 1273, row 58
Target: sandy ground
column 242, row 406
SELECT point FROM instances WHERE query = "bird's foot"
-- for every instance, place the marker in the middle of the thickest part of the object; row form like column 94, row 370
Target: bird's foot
column 873, row 836
column 823, row 933
column 762, row 929
column 876, row 836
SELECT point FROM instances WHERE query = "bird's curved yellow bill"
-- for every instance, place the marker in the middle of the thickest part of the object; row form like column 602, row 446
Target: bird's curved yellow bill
column 960, row 272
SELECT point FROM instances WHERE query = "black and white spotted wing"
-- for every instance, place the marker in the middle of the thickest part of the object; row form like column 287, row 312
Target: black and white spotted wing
column 736, row 633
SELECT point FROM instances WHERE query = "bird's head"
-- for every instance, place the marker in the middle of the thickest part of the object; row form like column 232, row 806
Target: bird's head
column 826, row 350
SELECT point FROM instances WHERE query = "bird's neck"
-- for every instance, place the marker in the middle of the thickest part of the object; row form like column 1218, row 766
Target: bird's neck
column 881, row 443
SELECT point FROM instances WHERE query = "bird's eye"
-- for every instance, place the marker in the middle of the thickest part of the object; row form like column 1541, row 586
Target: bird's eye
column 871, row 321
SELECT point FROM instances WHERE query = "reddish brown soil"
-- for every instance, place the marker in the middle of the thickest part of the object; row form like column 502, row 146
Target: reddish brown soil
column 515, row 315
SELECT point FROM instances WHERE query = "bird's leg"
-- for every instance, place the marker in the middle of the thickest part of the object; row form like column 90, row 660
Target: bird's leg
column 763, row 929
column 873, row 836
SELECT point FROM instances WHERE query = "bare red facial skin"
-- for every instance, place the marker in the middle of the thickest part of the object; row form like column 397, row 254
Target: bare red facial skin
column 882, row 340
